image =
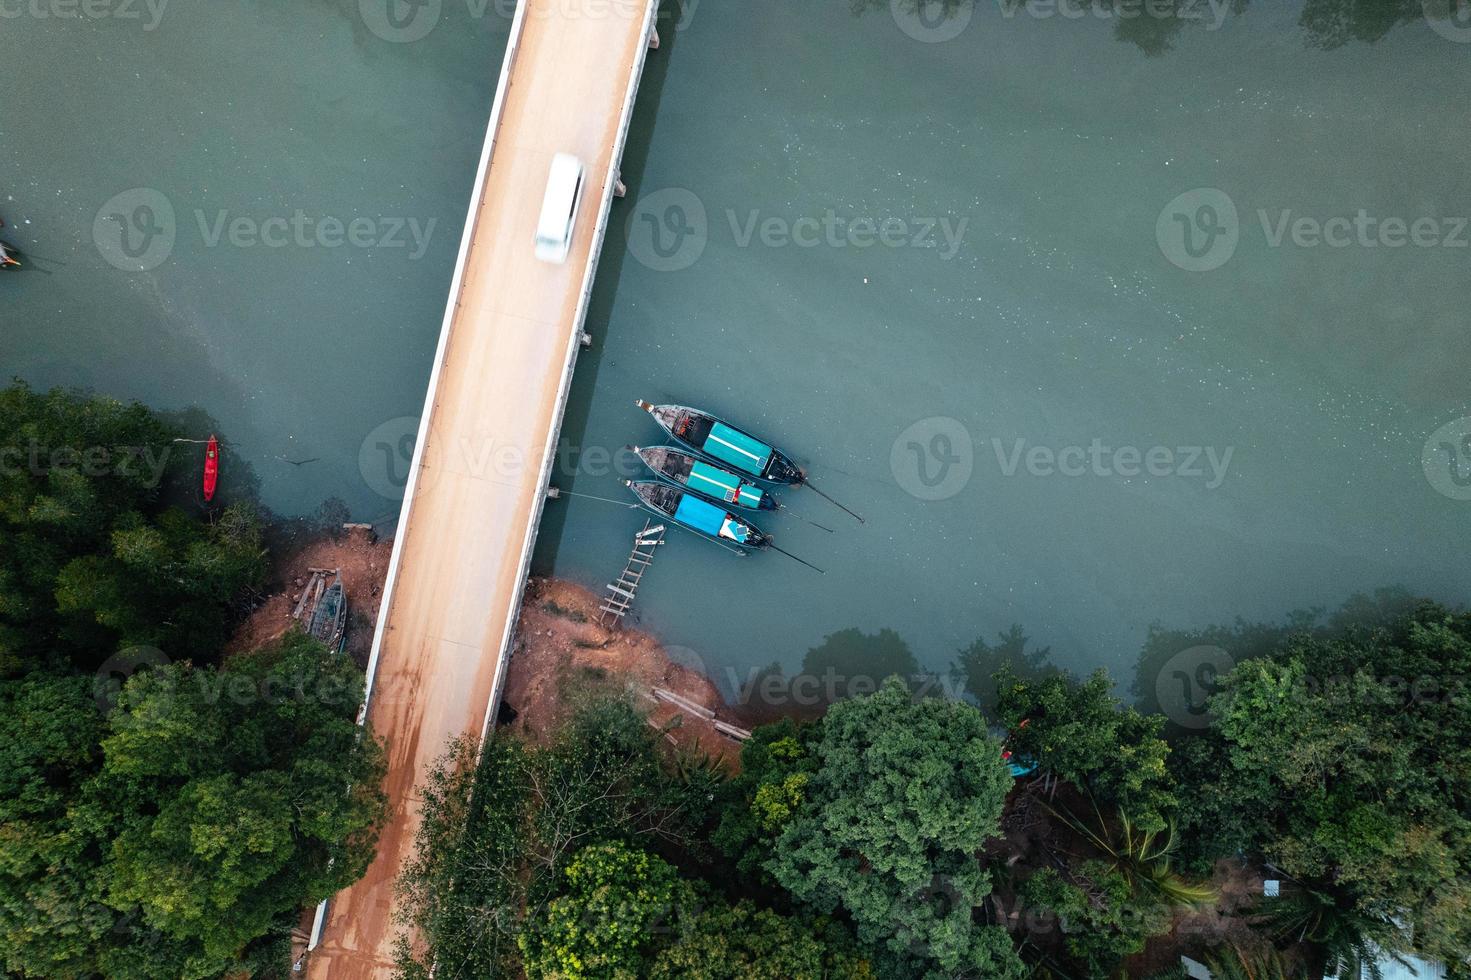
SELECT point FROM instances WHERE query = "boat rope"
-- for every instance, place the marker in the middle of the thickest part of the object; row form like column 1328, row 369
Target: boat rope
column 591, row 496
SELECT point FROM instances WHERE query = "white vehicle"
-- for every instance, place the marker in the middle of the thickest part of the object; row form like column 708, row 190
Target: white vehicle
column 559, row 209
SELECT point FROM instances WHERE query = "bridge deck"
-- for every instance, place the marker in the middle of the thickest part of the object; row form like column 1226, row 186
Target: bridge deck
column 495, row 406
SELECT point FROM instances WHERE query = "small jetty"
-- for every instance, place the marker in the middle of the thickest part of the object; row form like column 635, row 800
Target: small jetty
column 700, row 711
column 322, row 608
column 622, row 592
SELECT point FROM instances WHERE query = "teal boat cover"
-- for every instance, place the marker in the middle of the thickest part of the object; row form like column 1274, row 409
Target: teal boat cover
column 738, row 449
column 705, row 516
column 724, row 485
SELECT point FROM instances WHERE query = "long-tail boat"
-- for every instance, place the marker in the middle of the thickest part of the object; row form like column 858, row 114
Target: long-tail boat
column 696, row 513
column 704, row 477
column 211, row 468
column 8, row 254
column 721, row 441
column 718, row 439
column 705, row 517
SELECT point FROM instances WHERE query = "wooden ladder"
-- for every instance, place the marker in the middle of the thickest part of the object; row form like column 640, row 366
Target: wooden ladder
column 621, row 593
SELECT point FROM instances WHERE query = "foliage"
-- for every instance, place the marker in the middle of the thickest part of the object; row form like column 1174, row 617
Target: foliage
column 491, row 846
column 1348, row 765
column 1349, row 940
column 976, row 666
column 745, row 942
column 1112, row 905
column 91, row 560
column 1103, row 917
column 903, row 795
column 604, row 923
column 210, row 805
column 1079, row 731
column 777, row 763
column 462, row 891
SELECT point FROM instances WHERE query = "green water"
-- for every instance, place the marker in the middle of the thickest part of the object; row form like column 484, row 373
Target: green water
column 1020, row 173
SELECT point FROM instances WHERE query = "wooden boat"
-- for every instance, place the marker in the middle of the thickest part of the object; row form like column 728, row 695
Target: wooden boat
column 719, row 440
column 698, row 514
column 211, row 467
column 716, row 482
column 329, row 618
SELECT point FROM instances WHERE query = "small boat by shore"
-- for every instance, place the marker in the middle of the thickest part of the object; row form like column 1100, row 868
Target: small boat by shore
column 704, row 517
column 211, row 468
column 719, row 440
column 716, row 482
column 696, row 513
column 329, row 618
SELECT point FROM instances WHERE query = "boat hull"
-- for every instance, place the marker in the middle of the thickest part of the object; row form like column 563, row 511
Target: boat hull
column 706, row 478
column 728, row 445
column 698, row 514
column 211, row 468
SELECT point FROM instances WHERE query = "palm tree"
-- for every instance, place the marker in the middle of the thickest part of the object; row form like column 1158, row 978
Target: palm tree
column 1236, row 964
column 1141, row 856
column 1352, row 941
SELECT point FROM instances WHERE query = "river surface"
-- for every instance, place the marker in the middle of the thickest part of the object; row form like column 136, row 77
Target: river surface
column 1081, row 314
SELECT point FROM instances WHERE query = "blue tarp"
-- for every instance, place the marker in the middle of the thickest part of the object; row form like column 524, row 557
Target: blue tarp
column 738, row 449
column 723, row 485
column 699, row 514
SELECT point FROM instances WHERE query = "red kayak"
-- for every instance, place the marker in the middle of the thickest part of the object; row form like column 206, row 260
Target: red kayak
column 211, row 468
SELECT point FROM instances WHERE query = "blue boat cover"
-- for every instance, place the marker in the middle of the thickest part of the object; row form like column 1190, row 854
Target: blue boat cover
column 738, row 449
column 724, row 485
column 705, row 516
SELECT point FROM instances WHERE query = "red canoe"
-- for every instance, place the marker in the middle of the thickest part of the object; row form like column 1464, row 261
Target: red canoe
column 211, row 467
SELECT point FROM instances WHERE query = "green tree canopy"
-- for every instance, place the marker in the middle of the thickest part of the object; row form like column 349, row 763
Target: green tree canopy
column 92, row 561
column 903, row 796
column 1347, row 762
column 604, row 925
column 1079, row 731
column 210, row 806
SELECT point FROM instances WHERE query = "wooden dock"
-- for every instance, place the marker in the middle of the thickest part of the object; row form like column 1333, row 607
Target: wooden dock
column 622, row 592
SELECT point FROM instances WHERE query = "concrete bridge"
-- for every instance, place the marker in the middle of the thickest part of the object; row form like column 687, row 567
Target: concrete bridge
column 488, row 433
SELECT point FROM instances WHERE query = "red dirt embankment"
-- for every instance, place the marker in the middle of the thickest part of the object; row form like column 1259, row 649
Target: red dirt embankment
column 560, row 648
